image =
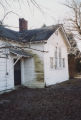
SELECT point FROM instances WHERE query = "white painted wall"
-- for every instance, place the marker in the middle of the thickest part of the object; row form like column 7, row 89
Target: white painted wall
column 29, row 70
column 6, row 80
column 53, row 76
column 30, row 74
column 10, row 76
column 6, row 66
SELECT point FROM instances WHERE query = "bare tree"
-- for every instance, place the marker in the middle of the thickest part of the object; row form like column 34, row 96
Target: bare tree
column 5, row 4
column 75, row 18
column 73, row 26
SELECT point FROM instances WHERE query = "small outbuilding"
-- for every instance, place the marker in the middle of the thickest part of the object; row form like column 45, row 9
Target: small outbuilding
column 33, row 58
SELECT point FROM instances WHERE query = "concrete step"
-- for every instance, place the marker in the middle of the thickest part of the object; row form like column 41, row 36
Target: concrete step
column 34, row 84
column 77, row 76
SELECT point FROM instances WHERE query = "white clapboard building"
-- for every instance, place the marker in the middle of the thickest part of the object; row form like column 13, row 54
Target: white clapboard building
column 33, row 58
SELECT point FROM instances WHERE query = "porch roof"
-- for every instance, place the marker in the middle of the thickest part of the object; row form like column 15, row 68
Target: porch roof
column 20, row 52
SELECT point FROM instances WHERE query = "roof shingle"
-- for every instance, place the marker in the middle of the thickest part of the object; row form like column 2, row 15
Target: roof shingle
column 29, row 35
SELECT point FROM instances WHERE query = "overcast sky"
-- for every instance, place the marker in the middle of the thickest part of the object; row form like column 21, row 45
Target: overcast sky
column 52, row 12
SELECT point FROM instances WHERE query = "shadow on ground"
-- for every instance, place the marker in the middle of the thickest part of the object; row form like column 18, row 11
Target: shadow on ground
column 58, row 102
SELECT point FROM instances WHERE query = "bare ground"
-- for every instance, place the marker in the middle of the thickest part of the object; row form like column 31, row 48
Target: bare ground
column 58, row 102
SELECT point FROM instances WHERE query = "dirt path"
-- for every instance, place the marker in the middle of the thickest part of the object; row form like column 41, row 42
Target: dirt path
column 59, row 102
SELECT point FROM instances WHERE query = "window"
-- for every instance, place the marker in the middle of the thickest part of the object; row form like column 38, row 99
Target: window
column 57, row 61
column 60, row 57
column 56, row 58
column 51, row 62
column 63, row 62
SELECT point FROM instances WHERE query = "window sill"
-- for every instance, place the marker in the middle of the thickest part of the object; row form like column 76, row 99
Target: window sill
column 52, row 69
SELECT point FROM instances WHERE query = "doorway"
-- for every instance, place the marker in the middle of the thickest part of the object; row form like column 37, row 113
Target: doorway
column 17, row 73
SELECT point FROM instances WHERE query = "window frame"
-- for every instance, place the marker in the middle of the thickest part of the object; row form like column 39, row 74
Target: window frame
column 51, row 62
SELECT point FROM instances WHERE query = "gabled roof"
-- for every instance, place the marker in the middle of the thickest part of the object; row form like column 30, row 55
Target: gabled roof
column 38, row 34
column 29, row 35
column 9, row 34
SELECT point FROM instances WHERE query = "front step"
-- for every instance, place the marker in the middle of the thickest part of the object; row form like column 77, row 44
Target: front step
column 78, row 76
column 34, row 84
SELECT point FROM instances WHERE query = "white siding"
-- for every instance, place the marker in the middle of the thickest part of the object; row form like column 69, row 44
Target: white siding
column 29, row 69
column 31, row 75
column 6, row 80
column 59, row 74
column 6, row 70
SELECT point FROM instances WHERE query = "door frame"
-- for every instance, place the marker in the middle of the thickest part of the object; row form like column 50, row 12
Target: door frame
column 14, row 71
